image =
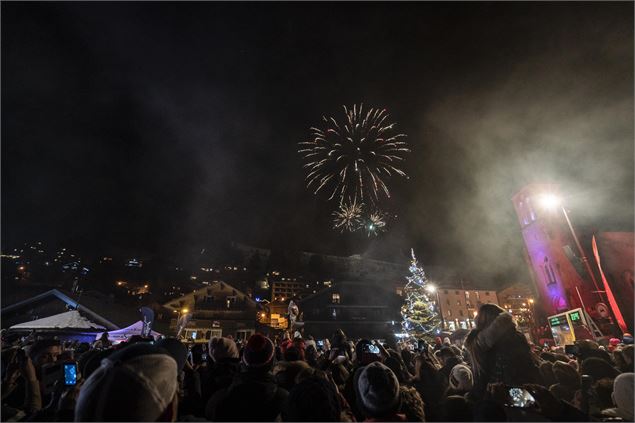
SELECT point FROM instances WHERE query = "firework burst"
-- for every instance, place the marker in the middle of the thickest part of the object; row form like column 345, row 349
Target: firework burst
column 348, row 217
column 353, row 159
column 375, row 224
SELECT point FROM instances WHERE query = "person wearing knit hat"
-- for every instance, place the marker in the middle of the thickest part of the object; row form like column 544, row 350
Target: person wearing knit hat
column 285, row 372
column 566, row 374
column 377, row 393
column 613, row 343
column 622, row 398
column 253, row 394
column 138, row 383
column 314, row 399
column 461, row 380
column 176, row 349
column 221, row 348
column 310, row 341
column 258, row 352
column 568, row 381
column 223, row 366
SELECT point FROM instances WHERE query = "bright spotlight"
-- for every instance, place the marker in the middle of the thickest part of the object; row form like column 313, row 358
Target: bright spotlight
column 549, row 201
column 431, row 288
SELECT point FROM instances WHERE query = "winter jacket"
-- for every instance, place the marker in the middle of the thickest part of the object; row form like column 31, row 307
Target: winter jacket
column 252, row 396
column 220, row 375
column 500, row 354
column 285, row 372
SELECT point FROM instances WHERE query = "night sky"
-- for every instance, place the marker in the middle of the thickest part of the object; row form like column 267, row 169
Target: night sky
column 162, row 128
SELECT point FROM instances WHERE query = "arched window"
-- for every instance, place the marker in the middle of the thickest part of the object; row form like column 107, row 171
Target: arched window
column 549, row 273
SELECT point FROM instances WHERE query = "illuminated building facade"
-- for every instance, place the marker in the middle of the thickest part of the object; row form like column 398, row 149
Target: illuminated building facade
column 458, row 307
column 556, row 268
column 518, row 299
column 215, row 310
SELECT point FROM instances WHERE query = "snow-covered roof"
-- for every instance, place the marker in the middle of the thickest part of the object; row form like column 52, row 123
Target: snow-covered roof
column 125, row 333
column 68, row 320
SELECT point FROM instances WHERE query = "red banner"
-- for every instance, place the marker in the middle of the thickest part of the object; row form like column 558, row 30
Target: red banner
column 616, row 271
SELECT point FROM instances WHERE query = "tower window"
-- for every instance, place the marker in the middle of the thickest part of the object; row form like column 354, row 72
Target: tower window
column 549, row 273
column 532, row 215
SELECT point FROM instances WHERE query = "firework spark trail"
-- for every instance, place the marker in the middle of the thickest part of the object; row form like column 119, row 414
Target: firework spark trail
column 375, row 224
column 352, row 159
column 348, row 217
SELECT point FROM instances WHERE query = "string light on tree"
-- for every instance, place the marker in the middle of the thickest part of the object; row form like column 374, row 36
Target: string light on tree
column 420, row 318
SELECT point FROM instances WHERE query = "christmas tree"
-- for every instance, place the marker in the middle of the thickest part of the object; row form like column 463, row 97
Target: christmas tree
column 420, row 318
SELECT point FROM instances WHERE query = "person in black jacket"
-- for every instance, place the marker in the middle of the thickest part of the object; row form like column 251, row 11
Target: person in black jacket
column 499, row 353
column 253, row 394
column 224, row 365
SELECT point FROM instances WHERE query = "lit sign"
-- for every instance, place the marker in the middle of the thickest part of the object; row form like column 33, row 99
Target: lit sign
column 574, row 316
column 558, row 321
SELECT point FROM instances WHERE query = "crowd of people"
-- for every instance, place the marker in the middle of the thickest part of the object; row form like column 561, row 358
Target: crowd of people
column 495, row 375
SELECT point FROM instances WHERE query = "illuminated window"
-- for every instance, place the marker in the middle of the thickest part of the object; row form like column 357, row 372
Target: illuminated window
column 335, row 298
column 449, row 312
column 458, row 302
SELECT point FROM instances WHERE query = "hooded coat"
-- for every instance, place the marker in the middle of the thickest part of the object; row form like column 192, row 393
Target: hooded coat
column 220, row 375
column 252, row 396
column 500, row 354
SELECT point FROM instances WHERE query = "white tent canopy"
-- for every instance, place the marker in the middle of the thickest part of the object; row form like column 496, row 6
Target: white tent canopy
column 68, row 320
column 125, row 333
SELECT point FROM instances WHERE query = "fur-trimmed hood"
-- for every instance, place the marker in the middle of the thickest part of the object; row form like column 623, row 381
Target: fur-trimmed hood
column 486, row 339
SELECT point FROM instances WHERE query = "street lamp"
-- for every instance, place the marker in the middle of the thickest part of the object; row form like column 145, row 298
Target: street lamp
column 179, row 323
column 552, row 202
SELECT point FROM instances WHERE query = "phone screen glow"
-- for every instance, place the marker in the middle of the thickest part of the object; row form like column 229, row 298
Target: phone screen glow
column 70, row 374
